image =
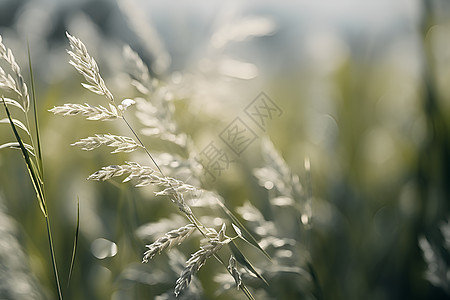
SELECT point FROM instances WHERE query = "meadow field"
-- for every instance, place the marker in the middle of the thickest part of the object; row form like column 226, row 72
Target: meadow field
column 209, row 150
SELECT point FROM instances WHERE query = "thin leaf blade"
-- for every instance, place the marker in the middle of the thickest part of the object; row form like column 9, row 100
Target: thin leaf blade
column 75, row 243
column 30, row 166
column 246, row 235
column 238, row 231
column 36, row 124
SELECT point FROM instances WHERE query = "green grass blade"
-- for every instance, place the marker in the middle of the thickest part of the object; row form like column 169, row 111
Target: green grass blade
column 247, row 292
column 240, row 257
column 52, row 254
column 34, row 175
column 75, row 243
column 40, row 182
column 246, row 236
column 315, row 278
column 36, row 125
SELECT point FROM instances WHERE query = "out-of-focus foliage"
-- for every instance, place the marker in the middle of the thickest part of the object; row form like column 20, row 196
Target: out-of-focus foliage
column 363, row 90
column 16, row 279
column 436, row 256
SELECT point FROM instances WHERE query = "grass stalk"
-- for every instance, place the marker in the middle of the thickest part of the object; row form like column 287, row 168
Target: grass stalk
column 52, row 255
column 36, row 123
column 35, row 166
column 38, row 185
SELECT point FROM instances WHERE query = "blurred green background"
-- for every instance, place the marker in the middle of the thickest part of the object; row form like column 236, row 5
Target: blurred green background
column 364, row 93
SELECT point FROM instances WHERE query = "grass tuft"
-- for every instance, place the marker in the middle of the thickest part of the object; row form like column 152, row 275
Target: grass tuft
column 31, row 153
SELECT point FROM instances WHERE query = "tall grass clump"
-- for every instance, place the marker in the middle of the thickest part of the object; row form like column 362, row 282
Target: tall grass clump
column 26, row 134
column 178, row 191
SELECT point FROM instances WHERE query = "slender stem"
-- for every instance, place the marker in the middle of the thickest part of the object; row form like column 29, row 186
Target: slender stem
column 143, row 146
column 40, row 167
column 36, row 124
column 192, row 217
column 75, row 245
column 52, row 252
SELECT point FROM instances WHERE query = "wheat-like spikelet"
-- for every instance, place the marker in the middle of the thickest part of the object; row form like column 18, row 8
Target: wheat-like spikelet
column 173, row 237
column 276, row 170
column 131, row 168
column 234, row 271
column 198, row 259
column 121, row 143
column 12, row 102
column 138, row 71
column 158, row 119
column 18, row 84
column 93, row 113
column 242, row 29
column 276, row 174
column 7, row 81
column 87, row 67
column 156, row 115
column 145, row 175
column 17, row 123
column 16, row 145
